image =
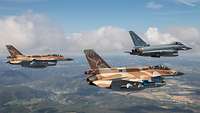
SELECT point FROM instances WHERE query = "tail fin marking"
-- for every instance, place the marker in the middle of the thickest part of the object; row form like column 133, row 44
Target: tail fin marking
column 94, row 60
column 13, row 51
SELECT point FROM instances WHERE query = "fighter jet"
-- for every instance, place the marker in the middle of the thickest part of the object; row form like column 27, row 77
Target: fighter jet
column 166, row 50
column 103, row 75
column 33, row 61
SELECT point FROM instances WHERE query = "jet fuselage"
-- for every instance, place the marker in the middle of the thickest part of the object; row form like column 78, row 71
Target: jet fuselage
column 159, row 50
column 147, row 77
column 19, row 58
column 165, row 47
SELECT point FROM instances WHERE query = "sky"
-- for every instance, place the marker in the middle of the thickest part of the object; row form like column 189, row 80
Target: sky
column 87, row 23
column 78, row 15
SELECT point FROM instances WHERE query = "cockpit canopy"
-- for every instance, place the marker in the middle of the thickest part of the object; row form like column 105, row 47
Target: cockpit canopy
column 177, row 43
column 159, row 67
column 55, row 55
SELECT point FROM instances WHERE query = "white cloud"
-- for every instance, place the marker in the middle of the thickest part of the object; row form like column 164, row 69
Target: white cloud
column 107, row 38
column 35, row 33
column 155, row 37
column 153, row 5
column 189, row 2
column 190, row 36
column 30, row 31
column 111, row 38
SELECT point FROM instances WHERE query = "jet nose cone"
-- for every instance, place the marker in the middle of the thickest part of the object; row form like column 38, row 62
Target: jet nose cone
column 179, row 73
column 187, row 48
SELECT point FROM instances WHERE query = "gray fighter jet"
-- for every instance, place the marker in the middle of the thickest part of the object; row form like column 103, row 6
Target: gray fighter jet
column 143, row 49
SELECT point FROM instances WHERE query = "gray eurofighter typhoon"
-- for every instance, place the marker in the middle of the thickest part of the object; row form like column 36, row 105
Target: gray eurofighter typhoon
column 166, row 50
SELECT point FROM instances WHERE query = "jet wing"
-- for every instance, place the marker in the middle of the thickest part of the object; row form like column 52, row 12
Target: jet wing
column 38, row 63
column 133, row 77
column 159, row 53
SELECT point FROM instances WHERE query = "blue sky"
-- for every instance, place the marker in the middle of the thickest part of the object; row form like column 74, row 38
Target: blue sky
column 83, row 15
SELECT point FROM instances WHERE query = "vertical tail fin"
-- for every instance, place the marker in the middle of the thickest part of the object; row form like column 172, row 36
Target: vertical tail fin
column 94, row 60
column 13, row 51
column 137, row 40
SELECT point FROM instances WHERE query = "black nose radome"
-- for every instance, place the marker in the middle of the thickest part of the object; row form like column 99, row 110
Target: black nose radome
column 188, row 48
column 179, row 73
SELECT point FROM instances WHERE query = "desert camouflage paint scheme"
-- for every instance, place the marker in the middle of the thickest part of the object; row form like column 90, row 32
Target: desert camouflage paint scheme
column 33, row 61
column 102, row 75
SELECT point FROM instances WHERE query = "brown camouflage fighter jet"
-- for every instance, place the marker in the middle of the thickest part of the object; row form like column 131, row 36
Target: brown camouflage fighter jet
column 102, row 75
column 33, row 61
